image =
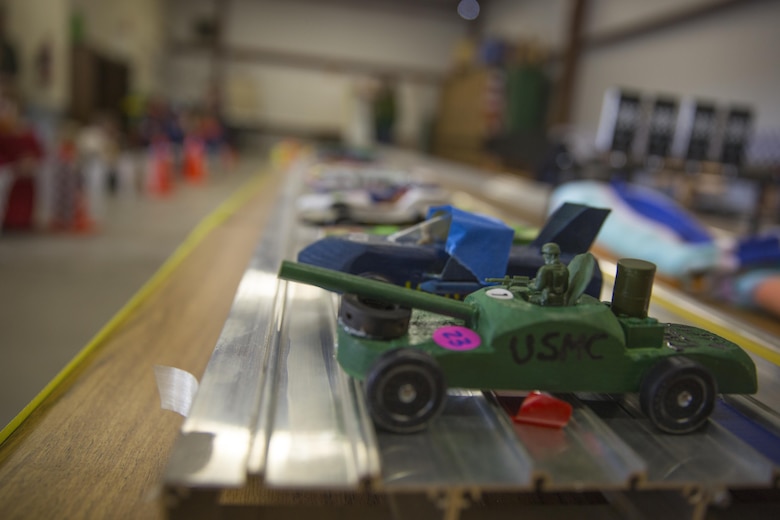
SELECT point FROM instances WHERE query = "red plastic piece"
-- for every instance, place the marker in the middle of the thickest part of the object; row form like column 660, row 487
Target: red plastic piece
column 543, row 410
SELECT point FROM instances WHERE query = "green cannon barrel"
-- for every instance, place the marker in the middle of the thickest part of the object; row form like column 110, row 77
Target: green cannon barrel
column 349, row 283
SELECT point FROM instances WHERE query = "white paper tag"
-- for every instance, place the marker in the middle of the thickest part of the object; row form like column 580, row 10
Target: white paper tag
column 177, row 388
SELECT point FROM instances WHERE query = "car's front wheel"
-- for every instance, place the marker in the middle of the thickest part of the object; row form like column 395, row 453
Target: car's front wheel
column 678, row 395
column 405, row 390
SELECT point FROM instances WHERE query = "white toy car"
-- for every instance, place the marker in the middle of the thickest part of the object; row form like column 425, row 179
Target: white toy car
column 402, row 204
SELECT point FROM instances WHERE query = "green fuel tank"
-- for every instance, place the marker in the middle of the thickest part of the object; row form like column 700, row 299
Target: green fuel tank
column 633, row 287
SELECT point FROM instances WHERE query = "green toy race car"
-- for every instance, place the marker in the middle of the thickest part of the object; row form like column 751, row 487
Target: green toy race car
column 515, row 336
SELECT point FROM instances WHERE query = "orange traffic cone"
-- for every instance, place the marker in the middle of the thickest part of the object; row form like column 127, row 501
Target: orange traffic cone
column 82, row 221
column 158, row 178
column 194, row 161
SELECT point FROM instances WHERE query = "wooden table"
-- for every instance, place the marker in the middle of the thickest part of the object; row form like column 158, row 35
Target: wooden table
column 97, row 446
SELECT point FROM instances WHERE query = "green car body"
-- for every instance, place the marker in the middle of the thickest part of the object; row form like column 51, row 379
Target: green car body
column 499, row 339
column 580, row 348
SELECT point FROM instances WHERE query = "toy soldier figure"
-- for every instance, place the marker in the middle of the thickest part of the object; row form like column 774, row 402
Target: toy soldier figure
column 552, row 279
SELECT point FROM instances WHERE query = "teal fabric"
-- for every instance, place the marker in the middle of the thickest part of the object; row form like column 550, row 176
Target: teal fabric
column 629, row 234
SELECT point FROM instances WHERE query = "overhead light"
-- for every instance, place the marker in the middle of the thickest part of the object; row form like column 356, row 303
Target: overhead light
column 468, row 9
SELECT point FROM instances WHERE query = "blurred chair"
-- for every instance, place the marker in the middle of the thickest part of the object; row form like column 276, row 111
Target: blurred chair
column 660, row 132
column 734, row 137
column 693, row 149
column 619, row 123
column 655, row 165
column 695, row 133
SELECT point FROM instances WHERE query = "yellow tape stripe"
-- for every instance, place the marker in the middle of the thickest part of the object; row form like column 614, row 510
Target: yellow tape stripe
column 196, row 236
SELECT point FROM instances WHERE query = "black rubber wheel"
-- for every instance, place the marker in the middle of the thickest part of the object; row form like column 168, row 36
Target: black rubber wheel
column 372, row 318
column 405, row 390
column 678, row 395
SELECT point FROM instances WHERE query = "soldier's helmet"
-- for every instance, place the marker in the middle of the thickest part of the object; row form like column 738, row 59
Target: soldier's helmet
column 551, row 248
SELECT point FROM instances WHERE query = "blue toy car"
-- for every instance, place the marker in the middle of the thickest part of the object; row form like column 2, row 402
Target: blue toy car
column 454, row 252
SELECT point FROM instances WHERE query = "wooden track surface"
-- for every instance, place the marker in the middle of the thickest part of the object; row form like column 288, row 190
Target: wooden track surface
column 98, row 445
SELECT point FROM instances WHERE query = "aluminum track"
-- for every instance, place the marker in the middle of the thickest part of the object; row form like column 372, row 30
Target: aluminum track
column 274, row 406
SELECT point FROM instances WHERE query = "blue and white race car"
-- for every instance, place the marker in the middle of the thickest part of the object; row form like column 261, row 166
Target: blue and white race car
column 454, row 252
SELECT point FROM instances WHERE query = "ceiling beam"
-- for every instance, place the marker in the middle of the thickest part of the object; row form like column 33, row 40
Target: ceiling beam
column 447, row 8
column 656, row 24
column 258, row 55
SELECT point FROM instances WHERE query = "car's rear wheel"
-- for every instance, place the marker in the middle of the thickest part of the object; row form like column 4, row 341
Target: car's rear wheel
column 678, row 395
column 405, row 390
column 371, row 317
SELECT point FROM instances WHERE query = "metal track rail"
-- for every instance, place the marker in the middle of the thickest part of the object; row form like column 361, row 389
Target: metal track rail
column 275, row 405
column 319, row 438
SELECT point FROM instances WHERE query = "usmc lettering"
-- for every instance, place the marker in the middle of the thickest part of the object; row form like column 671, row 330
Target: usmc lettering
column 554, row 346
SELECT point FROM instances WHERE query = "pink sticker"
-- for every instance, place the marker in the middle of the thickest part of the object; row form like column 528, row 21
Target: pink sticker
column 454, row 337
